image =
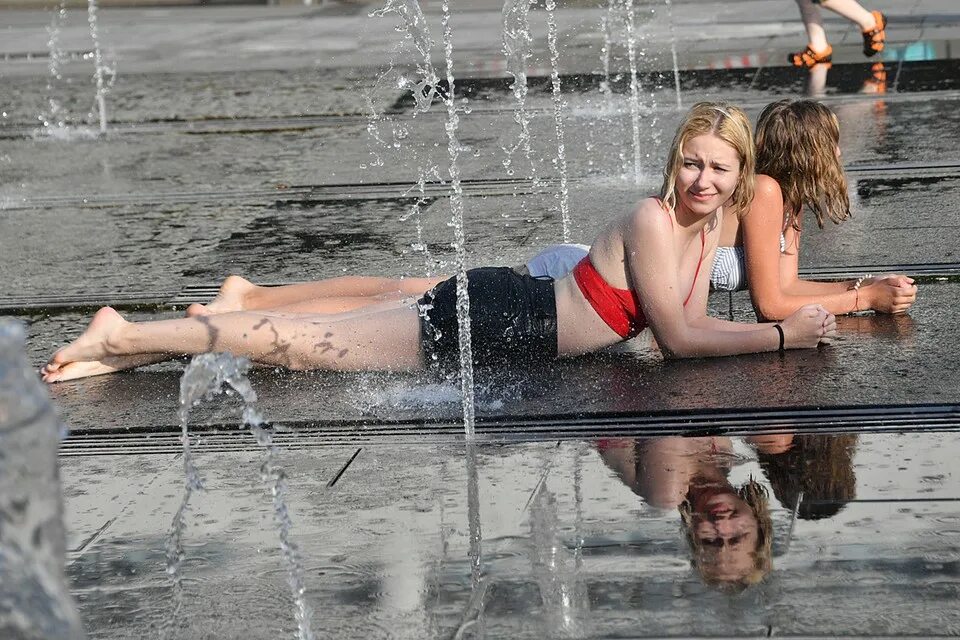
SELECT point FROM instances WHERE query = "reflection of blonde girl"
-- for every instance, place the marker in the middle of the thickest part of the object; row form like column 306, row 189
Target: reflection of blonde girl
column 728, row 529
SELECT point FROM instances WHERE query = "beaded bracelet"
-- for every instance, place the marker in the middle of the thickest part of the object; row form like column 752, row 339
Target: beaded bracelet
column 856, row 290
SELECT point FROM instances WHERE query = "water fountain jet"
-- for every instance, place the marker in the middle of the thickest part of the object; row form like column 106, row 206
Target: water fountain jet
column 517, row 49
column 634, row 89
column 207, row 376
column 564, row 195
column 100, row 71
column 454, row 149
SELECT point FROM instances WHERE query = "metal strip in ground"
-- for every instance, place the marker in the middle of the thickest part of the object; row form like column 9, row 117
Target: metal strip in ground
column 308, row 194
column 499, row 430
column 292, row 194
column 203, row 293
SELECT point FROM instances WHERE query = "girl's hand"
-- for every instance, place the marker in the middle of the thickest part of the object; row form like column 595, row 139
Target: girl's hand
column 889, row 294
column 808, row 326
column 895, row 279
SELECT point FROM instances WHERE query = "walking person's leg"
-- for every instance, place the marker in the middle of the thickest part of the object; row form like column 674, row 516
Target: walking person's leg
column 872, row 26
column 813, row 24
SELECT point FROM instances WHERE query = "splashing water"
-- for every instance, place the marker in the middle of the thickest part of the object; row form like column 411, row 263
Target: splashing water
column 564, row 595
column 564, row 195
column 473, row 613
column 100, row 71
column 35, row 597
column 373, row 127
column 416, row 212
column 634, row 89
column 673, row 52
column 207, row 376
column 517, row 48
column 423, row 89
column 56, row 116
column 607, row 29
column 578, row 508
column 454, row 149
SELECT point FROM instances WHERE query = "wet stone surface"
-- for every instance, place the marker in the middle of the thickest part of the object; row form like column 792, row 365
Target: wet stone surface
column 275, row 237
column 877, row 360
column 585, row 538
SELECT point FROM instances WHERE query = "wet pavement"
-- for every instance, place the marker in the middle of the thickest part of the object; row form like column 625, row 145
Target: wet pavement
column 567, row 518
column 580, row 539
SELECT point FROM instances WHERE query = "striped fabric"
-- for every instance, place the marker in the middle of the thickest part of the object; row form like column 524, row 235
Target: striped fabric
column 729, row 270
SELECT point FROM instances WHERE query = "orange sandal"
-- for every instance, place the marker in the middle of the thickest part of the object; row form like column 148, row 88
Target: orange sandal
column 874, row 39
column 809, row 58
column 877, row 82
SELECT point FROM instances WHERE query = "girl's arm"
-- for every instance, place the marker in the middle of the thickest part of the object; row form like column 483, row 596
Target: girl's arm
column 775, row 285
column 654, row 267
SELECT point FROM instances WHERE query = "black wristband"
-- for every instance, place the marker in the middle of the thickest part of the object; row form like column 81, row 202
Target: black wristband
column 780, row 331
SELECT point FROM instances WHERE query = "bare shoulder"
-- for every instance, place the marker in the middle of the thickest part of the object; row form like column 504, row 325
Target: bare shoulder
column 649, row 216
column 767, row 188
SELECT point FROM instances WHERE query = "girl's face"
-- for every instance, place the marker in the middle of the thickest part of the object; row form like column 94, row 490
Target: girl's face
column 727, row 531
column 708, row 175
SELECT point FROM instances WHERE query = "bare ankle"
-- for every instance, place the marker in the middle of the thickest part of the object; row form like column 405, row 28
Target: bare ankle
column 116, row 340
column 114, row 343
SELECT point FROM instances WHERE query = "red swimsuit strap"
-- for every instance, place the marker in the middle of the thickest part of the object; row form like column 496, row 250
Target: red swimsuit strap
column 703, row 243
column 696, row 274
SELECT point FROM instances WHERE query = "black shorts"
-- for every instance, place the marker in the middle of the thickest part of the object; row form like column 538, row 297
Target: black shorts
column 513, row 320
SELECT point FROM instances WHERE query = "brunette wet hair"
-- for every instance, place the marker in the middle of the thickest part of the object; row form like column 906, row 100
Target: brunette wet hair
column 797, row 145
column 815, row 476
column 728, row 123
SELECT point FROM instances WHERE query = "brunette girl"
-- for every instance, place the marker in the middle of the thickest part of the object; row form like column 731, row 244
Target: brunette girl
column 798, row 167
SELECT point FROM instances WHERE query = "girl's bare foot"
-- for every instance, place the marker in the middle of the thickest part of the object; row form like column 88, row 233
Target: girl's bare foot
column 91, row 346
column 232, row 295
column 109, row 364
column 196, row 310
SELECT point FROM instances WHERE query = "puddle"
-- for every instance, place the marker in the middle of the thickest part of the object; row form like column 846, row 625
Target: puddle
column 587, row 536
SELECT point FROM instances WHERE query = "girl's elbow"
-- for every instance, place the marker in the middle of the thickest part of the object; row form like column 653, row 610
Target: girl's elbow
column 771, row 310
column 675, row 348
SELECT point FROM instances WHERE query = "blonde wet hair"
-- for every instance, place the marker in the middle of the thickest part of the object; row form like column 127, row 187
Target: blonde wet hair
column 731, row 125
column 797, row 145
column 756, row 497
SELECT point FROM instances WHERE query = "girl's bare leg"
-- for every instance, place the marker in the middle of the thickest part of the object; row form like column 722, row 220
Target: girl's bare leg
column 852, row 11
column 321, row 306
column 237, row 294
column 813, row 23
column 381, row 340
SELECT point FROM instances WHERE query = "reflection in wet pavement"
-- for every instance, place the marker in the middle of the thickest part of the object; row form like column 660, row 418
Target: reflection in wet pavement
column 628, row 536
